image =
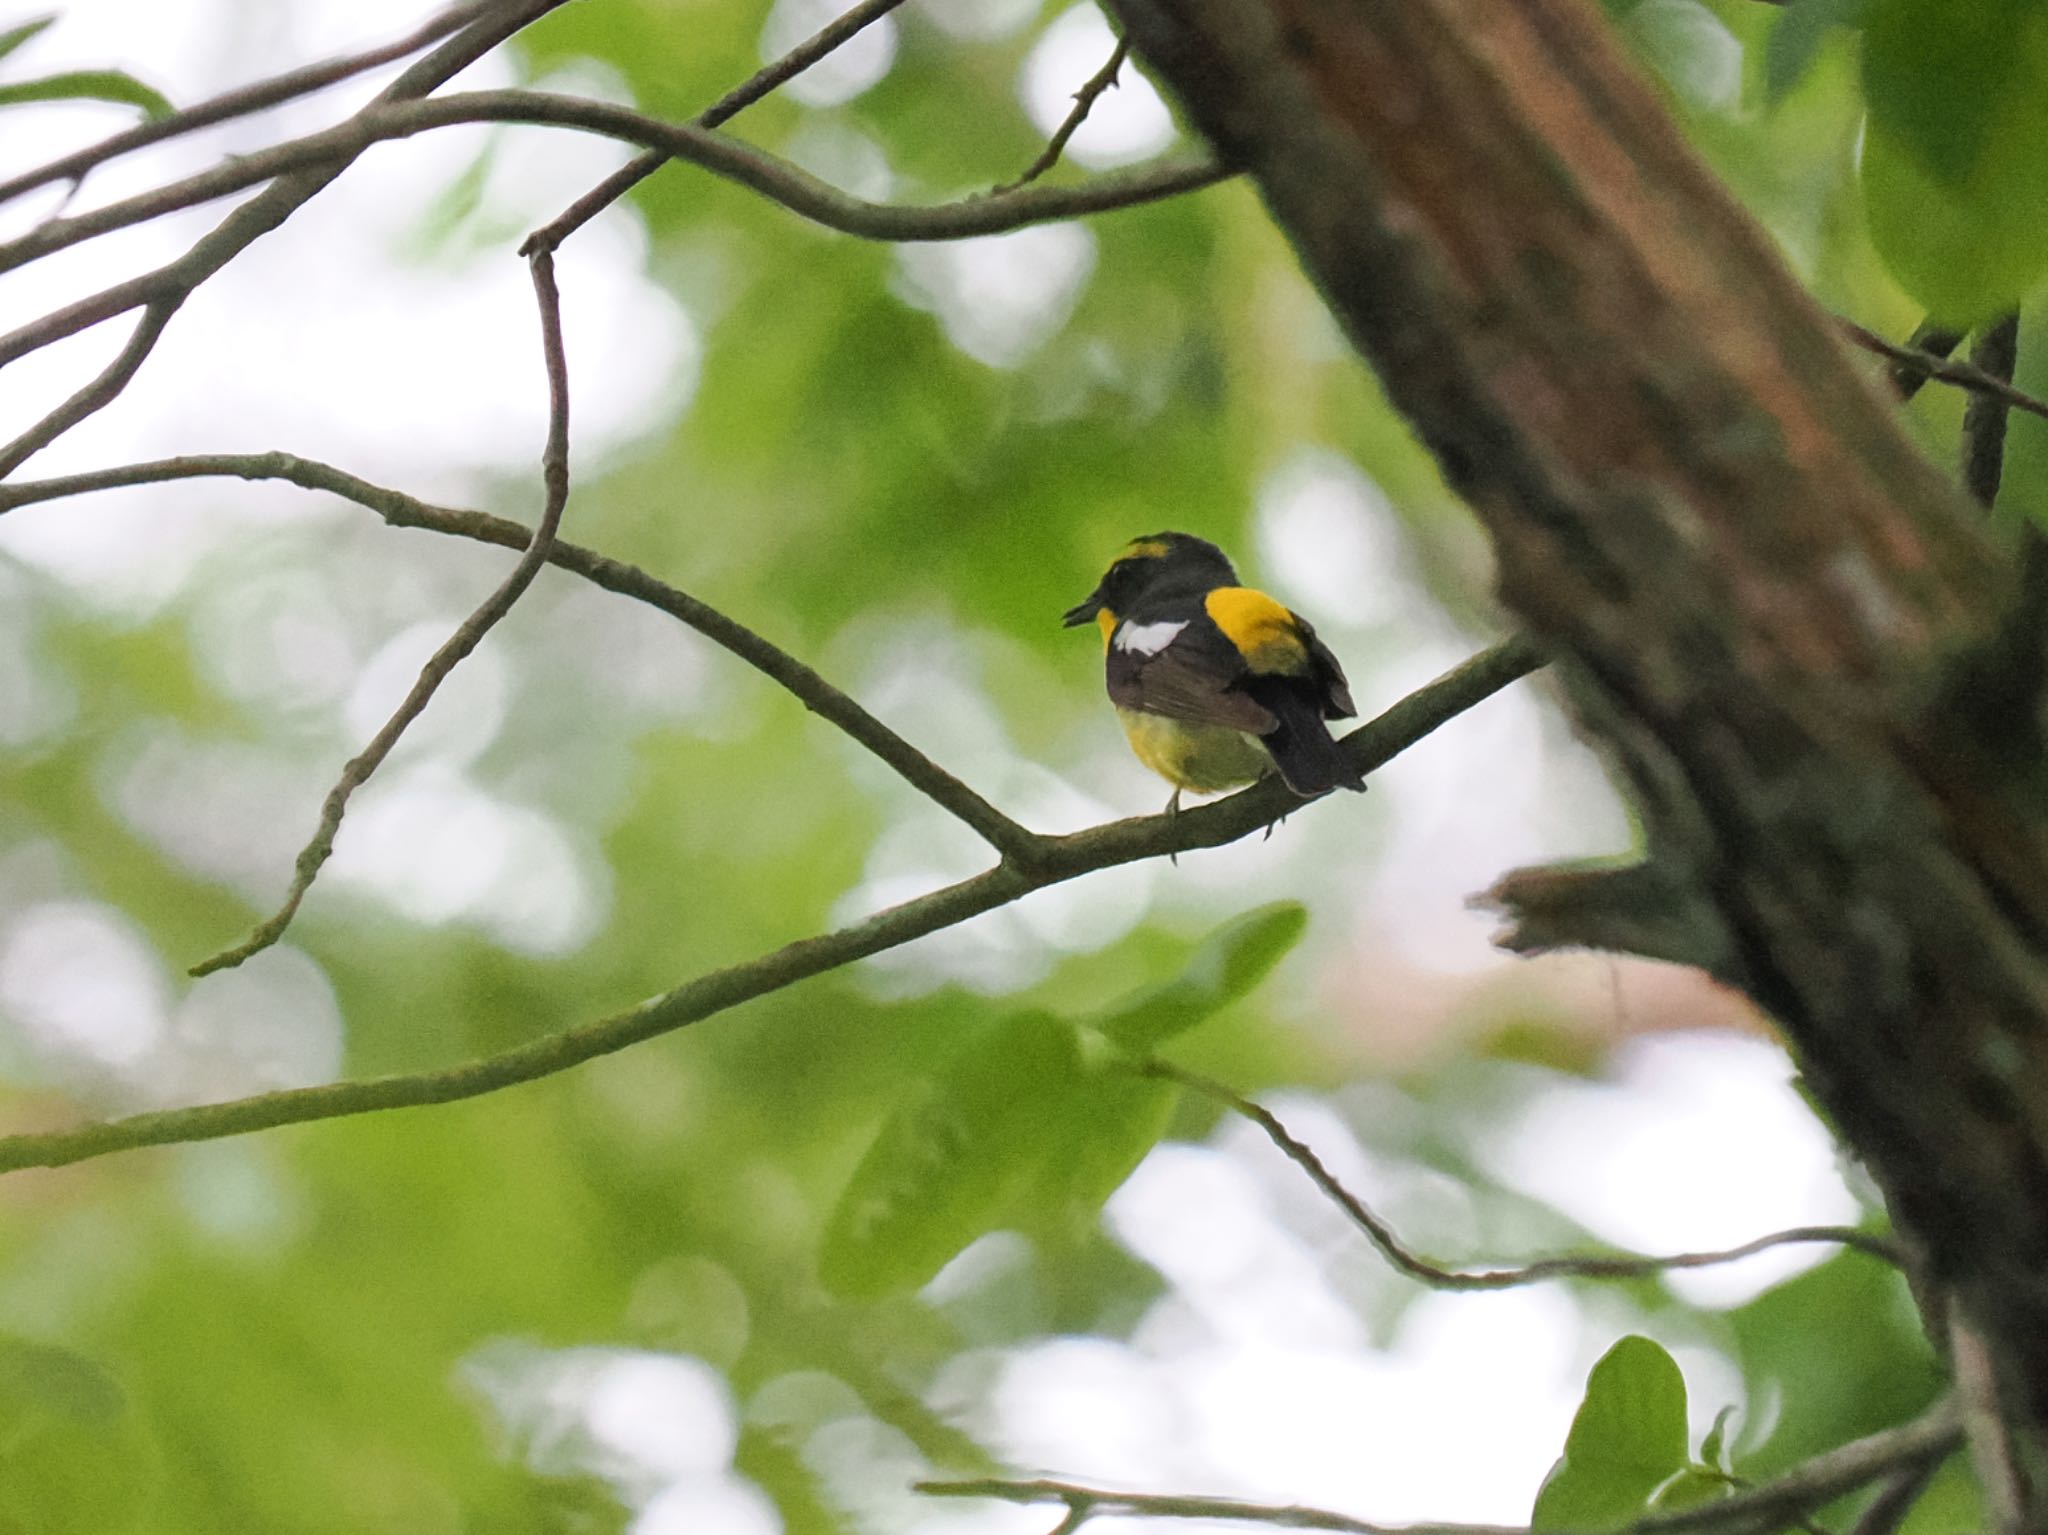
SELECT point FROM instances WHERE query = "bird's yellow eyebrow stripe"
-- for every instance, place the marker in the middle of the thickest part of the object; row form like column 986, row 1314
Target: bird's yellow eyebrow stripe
column 1264, row 632
column 1145, row 549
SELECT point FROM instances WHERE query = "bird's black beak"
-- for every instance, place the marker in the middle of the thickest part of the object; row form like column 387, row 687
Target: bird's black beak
column 1084, row 612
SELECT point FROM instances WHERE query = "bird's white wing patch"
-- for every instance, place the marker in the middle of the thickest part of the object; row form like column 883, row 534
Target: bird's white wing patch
column 1148, row 639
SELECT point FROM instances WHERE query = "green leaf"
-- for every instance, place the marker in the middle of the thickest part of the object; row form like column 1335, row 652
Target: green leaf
column 1626, row 1441
column 89, row 85
column 1965, row 255
column 1955, row 160
column 1939, row 74
column 1714, row 1448
column 14, row 37
column 72, row 1457
column 1690, row 1488
column 1796, row 40
column 1224, row 967
column 1852, row 1381
column 1094, row 1139
column 948, row 1163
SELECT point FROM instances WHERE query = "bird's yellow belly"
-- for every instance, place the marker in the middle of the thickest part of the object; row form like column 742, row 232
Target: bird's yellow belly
column 1202, row 758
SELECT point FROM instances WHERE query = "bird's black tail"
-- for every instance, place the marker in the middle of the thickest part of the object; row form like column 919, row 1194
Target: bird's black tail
column 1301, row 745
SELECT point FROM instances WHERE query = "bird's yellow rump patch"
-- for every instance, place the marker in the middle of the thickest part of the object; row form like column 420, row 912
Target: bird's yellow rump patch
column 1204, row 759
column 1264, row 632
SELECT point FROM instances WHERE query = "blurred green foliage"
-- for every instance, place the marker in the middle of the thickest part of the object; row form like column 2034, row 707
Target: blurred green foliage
column 1026, row 1126
column 109, row 85
column 309, row 1331
column 1956, row 162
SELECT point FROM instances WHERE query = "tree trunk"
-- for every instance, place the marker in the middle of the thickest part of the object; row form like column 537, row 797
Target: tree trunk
column 1794, row 639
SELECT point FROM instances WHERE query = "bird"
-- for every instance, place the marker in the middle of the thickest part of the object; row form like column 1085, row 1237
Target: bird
column 1216, row 684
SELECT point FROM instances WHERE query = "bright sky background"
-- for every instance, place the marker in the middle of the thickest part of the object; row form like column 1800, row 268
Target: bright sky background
column 1254, row 1376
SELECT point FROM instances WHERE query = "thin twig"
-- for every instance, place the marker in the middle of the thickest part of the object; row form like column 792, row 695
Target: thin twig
column 1084, row 103
column 1175, row 1505
column 1985, row 1429
column 1058, row 859
column 1802, row 1521
column 1996, row 354
column 467, row 636
column 1932, row 338
column 98, row 394
column 166, row 288
column 1769, row 1507
column 1963, row 375
column 1571, row 1266
column 1006, row 836
column 834, row 35
column 166, row 282
column 773, row 178
column 242, row 101
column 1895, row 1499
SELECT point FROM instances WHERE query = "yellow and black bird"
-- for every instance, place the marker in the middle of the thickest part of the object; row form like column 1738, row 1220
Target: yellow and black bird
column 1216, row 684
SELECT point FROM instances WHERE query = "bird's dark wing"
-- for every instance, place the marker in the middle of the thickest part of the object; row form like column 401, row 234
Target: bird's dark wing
column 1193, row 675
column 1300, row 743
column 1329, row 676
column 1275, row 642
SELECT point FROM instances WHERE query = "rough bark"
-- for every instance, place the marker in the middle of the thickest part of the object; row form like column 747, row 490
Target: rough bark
column 1764, row 604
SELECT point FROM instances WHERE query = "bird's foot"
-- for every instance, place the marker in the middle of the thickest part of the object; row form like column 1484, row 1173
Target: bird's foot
column 1277, row 820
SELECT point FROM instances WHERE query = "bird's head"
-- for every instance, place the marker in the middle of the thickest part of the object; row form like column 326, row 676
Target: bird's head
column 1153, row 566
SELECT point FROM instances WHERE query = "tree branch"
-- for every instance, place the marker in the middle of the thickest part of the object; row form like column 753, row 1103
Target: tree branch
column 1006, row 836
column 776, row 179
column 1762, row 1509
column 1895, row 1500
column 1084, row 103
column 167, row 288
column 1992, row 1451
column 1929, row 337
column 1753, row 582
column 827, row 39
column 799, row 191
column 98, row 394
column 1634, row 906
column 288, row 86
column 1931, row 365
column 1437, row 1277
column 1056, row 860
column 467, row 636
